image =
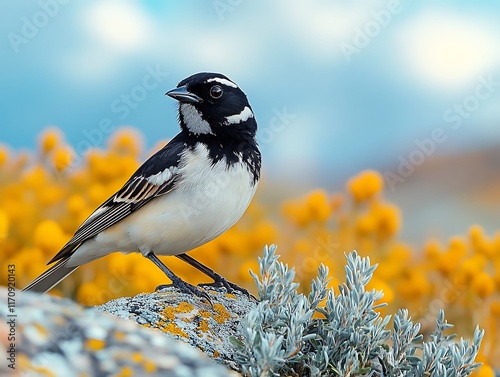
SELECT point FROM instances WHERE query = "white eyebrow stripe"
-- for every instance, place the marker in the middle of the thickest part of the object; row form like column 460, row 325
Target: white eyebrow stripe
column 223, row 82
column 241, row 117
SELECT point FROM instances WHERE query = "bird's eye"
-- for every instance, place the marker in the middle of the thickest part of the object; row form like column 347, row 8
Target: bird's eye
column 216, row 91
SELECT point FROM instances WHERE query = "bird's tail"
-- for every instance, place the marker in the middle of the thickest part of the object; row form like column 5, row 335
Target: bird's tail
column 50, row 277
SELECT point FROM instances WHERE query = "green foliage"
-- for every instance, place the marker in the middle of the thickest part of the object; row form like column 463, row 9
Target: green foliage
column 348, row 338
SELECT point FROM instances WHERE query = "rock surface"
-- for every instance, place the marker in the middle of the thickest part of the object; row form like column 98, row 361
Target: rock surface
column 57, row 337
column 189, row 318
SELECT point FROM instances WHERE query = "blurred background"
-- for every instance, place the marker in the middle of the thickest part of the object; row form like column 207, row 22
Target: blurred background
column 405, row 92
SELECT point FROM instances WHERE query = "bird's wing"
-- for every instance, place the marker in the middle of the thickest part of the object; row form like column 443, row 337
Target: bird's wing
column 157, row 176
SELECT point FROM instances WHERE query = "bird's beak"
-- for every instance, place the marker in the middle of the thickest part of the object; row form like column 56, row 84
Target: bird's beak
column 182, row 94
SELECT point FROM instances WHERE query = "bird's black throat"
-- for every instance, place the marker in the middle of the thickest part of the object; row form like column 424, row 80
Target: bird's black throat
column 242, row 150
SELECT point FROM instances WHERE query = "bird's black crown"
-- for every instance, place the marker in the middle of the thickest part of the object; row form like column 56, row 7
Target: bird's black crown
column 212, row 104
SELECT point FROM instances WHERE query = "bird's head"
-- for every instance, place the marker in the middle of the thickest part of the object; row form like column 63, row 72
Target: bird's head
column 211, row 104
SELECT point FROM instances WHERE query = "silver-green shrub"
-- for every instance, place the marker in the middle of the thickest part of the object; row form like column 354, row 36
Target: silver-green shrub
column 349, row 337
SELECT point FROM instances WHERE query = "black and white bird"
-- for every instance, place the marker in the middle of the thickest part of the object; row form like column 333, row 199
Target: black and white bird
column 189, row 192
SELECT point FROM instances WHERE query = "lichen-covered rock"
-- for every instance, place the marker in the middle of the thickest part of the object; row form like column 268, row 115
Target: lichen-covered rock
column 57, row 337
column 190, row 318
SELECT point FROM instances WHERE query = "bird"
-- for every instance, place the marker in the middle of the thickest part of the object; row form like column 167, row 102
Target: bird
column 188, row 193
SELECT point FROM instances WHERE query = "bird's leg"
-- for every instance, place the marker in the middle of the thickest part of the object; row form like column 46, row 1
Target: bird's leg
column 218, row 279
column 177, row 281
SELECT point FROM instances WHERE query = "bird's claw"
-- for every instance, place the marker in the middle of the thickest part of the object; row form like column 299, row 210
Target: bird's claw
column 186, row 288
column 230, row 287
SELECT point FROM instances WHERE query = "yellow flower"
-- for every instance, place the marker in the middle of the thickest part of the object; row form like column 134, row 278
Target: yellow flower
column 366, row 224
column 476, row 233
column 472, row 266
column 264, row 233
column 35, row 178
column 126, row 141
column 414, row 285
column 365, row 185
column 484, row 371
column 243, row 271
column 302, row 246
column 50, row 195
column 87, row 293
column 297, row 213
column 495, row 308
column 76, row 204
column 380, row 285
column 4, row 155
column 318, row 206
column 432, row 250
column 4, row 225
column 457, row 248
column 102, row 165
column 49, row 237
column 483, row 285
column 400, row 253
column 33, row 261
column 63, row 158
column 49, row 140
column 97, row 194
column 388, row 219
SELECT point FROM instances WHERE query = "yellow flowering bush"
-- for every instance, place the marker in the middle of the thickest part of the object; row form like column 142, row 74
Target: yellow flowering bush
column 46, row 195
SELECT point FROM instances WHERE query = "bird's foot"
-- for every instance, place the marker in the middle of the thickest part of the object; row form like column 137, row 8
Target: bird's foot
column 186, row 288
column 220, row 281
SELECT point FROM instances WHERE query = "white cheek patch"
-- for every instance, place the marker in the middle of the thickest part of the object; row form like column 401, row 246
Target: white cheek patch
column 194, row 121
column 241, row 117
column 223, row 82
column 163, row 176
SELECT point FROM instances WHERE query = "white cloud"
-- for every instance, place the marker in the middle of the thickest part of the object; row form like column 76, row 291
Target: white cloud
column 109, row 29
column 322, row 26
column 448, row 51
column 121, row 25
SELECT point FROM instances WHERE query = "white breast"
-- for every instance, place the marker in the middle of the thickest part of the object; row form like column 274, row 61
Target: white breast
column 206, row 202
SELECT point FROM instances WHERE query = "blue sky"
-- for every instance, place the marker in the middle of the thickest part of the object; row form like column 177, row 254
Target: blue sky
column 350, row 110
column 337, row 86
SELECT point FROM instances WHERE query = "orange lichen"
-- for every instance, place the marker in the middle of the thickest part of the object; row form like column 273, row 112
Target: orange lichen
column 205, row 313
column 119, row 336
column 184, row 307
column 169, row 313
column 203, row 326
column 126, row 371
column 172, row 328
column 95, row 344
column 222, row 314
column 137, row 357
column 149, row 366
